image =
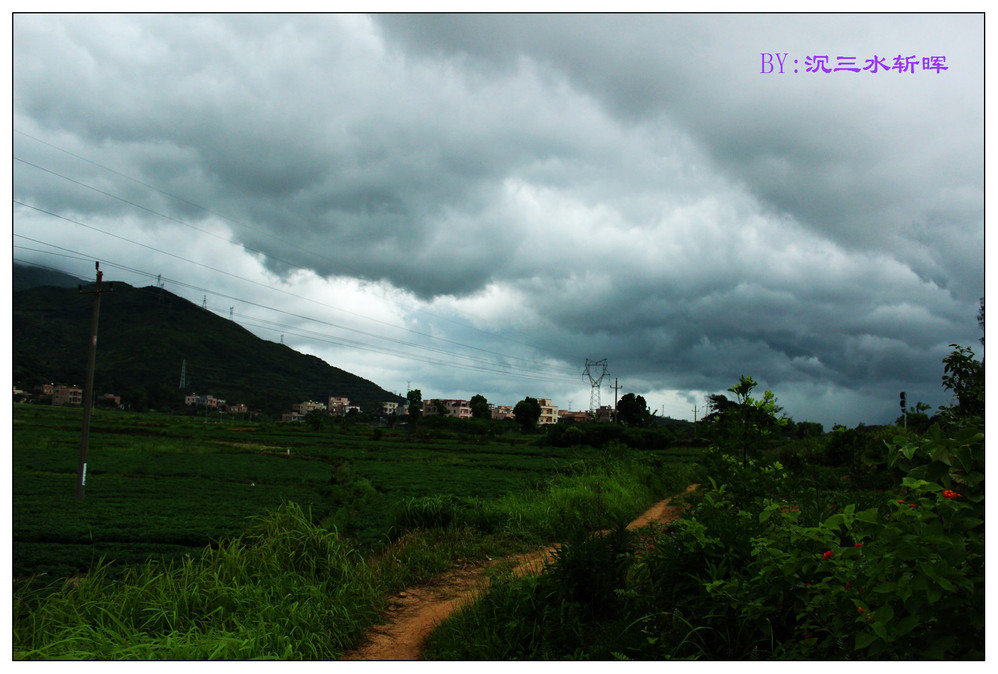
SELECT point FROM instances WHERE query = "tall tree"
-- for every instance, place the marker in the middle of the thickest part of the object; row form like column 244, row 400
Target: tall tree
column 633, row 410
column 527, row 412
column 480, row 407
column 415, row 397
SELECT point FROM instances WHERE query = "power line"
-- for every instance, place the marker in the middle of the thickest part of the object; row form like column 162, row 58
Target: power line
column 279, row 290
column 264, row 233
column 485, row 366
column 482, row 366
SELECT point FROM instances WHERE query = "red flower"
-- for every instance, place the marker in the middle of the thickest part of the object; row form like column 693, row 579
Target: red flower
column 848, row 584
column 950, row 494
column 900, row 500
column 857, row 545
column 827, row 554
column 912, row 505
column 861, row 610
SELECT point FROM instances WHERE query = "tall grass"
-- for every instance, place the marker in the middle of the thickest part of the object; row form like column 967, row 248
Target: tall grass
column 596, row 495
column 286, row 590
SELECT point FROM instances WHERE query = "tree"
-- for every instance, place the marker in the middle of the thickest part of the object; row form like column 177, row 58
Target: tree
column 415, row 398
column 980, row 320
column 717, row 405
column 749, row 421
column 480, row 407
column 633, row 410
column 316, row 419
column 527, row 412
column 964, row 377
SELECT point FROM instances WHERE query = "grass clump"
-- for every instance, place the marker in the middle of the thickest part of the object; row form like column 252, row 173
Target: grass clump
column 285, row 590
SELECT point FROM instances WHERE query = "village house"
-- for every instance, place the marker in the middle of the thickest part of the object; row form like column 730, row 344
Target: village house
column 207, row 400
column 338, row 405
column 604, row 415
column 460, row 409
column 549, row 412
column 67, row 395
column 304, row 408
column 578, row 417
column 502, row 412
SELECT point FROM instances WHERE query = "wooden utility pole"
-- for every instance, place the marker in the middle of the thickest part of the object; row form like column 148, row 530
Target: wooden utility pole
column 615, row 389
column 88, row 391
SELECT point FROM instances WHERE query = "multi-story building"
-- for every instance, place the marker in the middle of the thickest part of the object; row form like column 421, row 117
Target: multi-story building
column 578, row 417
column 308, row 406
column 549, row 412
column 390, row 409
column 338, row 405
column 67, row 395
column 460, row 409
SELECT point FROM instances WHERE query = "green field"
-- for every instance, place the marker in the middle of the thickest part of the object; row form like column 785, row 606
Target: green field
column 165, row 487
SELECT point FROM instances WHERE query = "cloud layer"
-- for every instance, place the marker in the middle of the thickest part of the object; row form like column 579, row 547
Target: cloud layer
column 624, row 187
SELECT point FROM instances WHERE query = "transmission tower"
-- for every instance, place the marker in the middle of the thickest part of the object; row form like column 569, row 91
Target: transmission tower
column 595, row 371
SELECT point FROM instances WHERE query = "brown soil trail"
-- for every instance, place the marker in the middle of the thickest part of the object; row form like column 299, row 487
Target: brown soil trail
column 415, row 612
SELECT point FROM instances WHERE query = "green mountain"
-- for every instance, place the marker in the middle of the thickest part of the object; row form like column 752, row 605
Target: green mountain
column 144, row 337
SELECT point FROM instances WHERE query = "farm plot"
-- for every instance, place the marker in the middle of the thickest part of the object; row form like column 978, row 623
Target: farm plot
column 166, row 487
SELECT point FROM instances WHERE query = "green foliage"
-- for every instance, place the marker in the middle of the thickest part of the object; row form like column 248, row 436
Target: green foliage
column 769, row 563
column 415, row 400
column 750, row 424
column 317, row 420
column 599, row 435
column 166, row 487
column 293, row 588
column 633, row 410
column 287, row 590
column 527, row 412
column 480, row 407
column 964, row 378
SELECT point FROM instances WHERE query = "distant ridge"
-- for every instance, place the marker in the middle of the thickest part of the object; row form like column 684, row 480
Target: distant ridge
column 29, row 276
column 145, row 334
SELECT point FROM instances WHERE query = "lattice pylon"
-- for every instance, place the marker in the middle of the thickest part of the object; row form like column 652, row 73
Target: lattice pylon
column 595, row 371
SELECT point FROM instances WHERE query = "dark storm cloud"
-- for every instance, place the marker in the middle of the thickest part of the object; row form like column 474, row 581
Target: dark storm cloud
column 620, row 186
column 859, row 158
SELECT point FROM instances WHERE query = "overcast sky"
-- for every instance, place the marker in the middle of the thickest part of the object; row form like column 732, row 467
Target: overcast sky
column 479, row 203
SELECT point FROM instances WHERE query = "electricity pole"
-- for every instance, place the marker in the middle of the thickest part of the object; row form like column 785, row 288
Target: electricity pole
column 615, row 389
column 88, row 392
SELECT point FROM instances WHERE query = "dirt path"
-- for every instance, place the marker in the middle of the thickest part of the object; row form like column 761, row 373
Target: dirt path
column 414, row 613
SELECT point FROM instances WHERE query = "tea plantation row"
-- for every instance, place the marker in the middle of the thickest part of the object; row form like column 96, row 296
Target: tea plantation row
column 165, row 487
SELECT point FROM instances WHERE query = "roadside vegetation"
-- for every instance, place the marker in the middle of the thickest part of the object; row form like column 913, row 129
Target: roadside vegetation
column 863, row 544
